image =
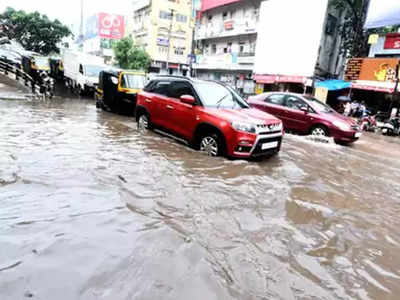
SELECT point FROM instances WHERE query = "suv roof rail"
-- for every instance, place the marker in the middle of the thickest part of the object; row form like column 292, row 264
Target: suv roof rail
column 173, row 76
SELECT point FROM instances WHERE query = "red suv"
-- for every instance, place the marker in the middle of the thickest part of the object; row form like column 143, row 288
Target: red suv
column 305, row 114
column 209, row 116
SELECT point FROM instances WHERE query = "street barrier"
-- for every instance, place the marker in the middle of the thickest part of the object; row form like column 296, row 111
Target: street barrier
column 44, row 89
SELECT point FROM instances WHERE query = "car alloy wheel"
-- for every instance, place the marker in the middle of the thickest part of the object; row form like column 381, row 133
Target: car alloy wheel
column 143, row 123
column 209, row 145
column 319, row 131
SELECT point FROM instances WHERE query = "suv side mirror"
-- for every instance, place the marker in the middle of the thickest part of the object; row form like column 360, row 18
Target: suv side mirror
column 304, row 109
column 188, row 99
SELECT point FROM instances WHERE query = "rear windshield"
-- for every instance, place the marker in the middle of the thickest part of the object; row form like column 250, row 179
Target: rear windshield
column 132, row 81
column 93, row 71
column 216, row 95
column 42, row 62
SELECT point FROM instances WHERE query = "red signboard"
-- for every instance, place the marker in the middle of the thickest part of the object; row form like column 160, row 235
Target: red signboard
column 210, row 4
column 228, row 25
column 111, row 26
column 392, row 41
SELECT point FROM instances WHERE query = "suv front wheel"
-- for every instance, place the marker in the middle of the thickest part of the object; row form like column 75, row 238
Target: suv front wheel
column 211, row 144
column 143, row 122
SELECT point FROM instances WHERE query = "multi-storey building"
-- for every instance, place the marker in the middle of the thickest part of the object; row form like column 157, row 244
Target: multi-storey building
column 165, row 29
column 226, row 35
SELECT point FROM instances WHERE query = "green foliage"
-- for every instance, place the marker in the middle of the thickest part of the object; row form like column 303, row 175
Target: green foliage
column 33, row 31
column 131, row 56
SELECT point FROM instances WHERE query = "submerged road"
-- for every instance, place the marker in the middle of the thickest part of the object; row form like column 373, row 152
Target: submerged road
column 92, row 209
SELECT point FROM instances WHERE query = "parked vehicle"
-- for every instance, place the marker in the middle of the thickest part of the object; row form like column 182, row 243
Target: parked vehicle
column 117, row 90
column 81, row 71
column 208, row 116
column 56, row 68
column 391, row 127
column 36, row 66
column 307, row 115
column 368, row 123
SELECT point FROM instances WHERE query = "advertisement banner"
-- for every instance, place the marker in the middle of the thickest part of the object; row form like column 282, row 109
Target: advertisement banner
column 392, row 41
column 111, row 26
column 289, row 50
column 379, row 69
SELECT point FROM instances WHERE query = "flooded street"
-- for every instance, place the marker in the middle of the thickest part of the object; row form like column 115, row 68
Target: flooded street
column 92, row 209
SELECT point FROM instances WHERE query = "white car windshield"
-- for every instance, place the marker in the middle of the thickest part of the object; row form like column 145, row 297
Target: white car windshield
column 93, row 71
column 133, row 81
column 213, row 94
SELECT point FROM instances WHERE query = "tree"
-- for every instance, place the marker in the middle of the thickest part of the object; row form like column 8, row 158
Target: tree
column 35, row 32
column 130, row 55
column 354, row 37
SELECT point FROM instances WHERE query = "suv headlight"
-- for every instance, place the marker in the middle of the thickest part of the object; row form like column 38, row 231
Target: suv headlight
column 342, row 125
column 245, row 127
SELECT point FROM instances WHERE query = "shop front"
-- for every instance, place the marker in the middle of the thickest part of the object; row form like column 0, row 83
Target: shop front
column 282, row 83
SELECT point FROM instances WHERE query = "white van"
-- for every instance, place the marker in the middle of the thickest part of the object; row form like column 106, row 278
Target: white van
column 81, row 70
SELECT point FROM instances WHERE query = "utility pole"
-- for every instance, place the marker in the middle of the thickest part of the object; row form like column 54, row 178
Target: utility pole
column 169, row 37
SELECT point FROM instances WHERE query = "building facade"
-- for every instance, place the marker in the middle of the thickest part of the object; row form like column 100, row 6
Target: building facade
column 165, row 29
column 225, row 42
column 226, row 37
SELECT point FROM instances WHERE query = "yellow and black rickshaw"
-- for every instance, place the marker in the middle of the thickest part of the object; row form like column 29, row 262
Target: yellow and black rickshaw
column 117, row 90
column 35, row 65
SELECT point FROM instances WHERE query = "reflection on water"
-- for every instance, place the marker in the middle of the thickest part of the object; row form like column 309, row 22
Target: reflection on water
column 91, row 209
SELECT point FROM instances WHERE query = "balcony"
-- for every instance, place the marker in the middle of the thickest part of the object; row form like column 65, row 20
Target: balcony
column 225, row 29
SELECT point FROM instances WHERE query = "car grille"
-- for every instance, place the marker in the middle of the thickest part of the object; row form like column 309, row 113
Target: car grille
column 258, row 148
column 271, row 128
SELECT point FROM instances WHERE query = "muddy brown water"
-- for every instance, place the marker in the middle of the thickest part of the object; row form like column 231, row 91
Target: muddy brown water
column 92, row 209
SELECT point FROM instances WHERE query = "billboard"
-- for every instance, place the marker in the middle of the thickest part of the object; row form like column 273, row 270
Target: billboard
column 383, row 13
column 289, row 45
column 372, row 69
column 111, row 26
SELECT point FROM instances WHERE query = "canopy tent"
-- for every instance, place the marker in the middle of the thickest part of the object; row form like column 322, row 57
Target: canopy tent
column 383, row 13
column 333, row 85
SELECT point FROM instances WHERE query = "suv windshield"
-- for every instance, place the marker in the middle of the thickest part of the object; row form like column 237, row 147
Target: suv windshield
column 318, row 105
column 216, row 95
column 93, row 71
column 133, row 81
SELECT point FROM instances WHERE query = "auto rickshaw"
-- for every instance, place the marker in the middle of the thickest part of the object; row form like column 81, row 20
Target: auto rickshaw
column 35, row 65
column 56, row 68
column 117, row 90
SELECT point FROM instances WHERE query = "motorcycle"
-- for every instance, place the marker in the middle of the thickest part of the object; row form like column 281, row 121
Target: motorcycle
column 392, row 127
column 368, row 123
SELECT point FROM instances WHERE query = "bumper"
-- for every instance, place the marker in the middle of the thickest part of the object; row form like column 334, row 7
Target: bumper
column 346, row 136
column 251, row 145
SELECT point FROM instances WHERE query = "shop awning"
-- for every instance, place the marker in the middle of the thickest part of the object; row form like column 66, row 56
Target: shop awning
column 210, row 4
column 377, row 86
column 333, row 85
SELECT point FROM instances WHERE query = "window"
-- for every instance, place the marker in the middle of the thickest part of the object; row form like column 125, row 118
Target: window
column 80, row 69
column 276, row 99
column 225, row 15
column 165, row 15
column 209, row 17
column 179, row 50
column 241, row 48
column 179, row 89
column 133, row 81
column 181, row 18
column 160, row 88
column 213, row 49
column 331, row 24
column 295, row 103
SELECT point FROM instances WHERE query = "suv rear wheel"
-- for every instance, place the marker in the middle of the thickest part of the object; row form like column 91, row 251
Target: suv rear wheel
column 143, row 122
column 211, row 144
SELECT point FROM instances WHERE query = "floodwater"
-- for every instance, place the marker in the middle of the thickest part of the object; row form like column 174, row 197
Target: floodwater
column 92, row 209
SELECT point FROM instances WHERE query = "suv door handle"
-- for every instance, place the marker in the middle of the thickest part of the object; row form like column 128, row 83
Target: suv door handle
column 148, row 100
column 170, row 107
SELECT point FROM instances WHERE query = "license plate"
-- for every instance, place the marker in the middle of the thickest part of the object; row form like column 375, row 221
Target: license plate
column 358, row 134
column 270, row 145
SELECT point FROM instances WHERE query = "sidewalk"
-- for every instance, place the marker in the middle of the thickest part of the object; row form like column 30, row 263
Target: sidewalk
column 12, row 90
